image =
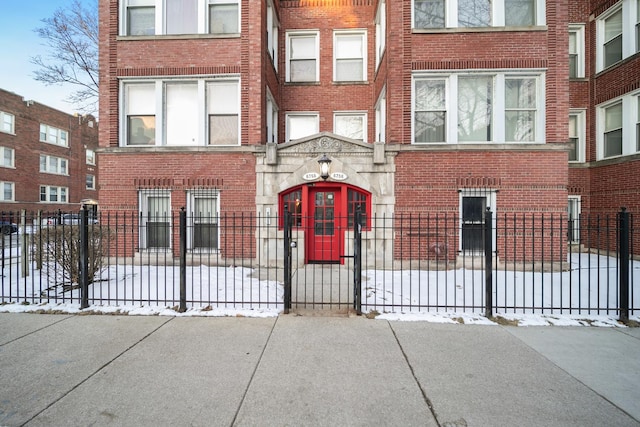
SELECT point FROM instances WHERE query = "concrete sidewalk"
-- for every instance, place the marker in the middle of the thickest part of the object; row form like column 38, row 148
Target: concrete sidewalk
column 65, row 370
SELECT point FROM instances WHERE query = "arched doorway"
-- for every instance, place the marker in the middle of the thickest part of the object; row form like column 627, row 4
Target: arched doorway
column 324, row 211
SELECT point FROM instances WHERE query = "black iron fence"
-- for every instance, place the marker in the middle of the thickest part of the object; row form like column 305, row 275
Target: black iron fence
column 504, row 263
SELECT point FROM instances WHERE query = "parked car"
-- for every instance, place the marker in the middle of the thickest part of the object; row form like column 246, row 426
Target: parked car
column 74, row 219
column 7, row 227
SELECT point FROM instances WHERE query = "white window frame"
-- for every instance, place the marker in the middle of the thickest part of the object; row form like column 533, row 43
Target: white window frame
column 573, row 215
column 580, row 135
column 300, row 114
column 90, row 182
column 630, row 21
column 381, row 117
column 497, row 15
column 273, row 29
column 498, row 120
column 223, row 2
column 61, row 135
column 12, row 186
column 337, row 35
column 291, row 35
column 90, row 156
column 359, row 114
column 61, row 165
column 578, row 31
column 62, row 194
column 271, row 116
column 124, row 15
column 143, row 203
column 11, row 119
column 12, row 157
column 192, row 195
column 200, row 128
column 490, row 196
column 381, row 31
column 630, row 128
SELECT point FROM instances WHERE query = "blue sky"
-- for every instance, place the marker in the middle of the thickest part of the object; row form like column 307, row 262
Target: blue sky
column 18, row 20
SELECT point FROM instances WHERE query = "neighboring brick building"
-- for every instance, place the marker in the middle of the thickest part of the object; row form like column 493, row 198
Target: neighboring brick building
column 422, row 106
column 48, row 157
column 604, row 169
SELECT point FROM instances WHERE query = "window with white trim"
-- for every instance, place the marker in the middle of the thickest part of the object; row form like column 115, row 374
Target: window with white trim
column 381, row 30
column 300, row 125
column 50, row 193
column 576, row 51
column 140, row 17
column 272, row 118
column 577, row 136
column 612, row 135
column 193, row 112
column 7, row 122
column 53, row 135
column 473, row 208
column 90, row 183
column 181, row 16
column 381, row 117
column 478, row 107
column 272, row 33
column 350, row 124
column 224, row 17
column 155, row 219
column 349, row 56
column 90, row 156
column 7, row 157
column 638, row 125
column 203, row 212
column 617, row 33
column 8, row 191
column 618, row 127
column 54, row 165
column 573, row 217
column 303, row 51
column 434, row 14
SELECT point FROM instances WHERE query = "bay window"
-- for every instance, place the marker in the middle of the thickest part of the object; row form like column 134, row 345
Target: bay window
column 617, row 33
column 618, row 127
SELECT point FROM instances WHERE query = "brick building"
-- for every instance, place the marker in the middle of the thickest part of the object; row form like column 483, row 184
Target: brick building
column 421, row 106
column 48, row 157
column 604, row 106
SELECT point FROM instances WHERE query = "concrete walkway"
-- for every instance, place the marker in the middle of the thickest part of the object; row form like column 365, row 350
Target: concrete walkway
column 65, row 370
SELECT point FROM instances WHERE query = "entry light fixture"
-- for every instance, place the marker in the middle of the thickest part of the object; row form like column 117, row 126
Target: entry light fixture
column 324, row 166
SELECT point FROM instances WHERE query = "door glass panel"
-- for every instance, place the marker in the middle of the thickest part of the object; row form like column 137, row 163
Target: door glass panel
column 472, row 223
column 324, row 214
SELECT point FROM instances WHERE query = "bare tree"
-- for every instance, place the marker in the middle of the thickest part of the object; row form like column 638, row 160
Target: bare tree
column 72, row 37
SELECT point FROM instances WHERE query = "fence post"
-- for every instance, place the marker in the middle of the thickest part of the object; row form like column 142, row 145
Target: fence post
column 183, row 261
column 84, row 257
column 288, row 225
column 488, row 265
column 623, row 260
column 357, row 261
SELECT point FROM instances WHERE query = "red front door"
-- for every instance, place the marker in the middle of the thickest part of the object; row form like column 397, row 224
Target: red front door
column 325, row 237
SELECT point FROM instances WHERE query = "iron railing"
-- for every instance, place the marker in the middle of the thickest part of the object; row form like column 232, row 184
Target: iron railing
column 401, row 263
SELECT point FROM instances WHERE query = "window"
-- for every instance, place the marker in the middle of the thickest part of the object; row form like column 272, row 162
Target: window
column 613, row 130
column 7, row 157
column 576, row 136
column 461, row 108
column 573, row 218
column 49, row 193
column 576, row 51
column 618, row 127
column 224, row 17
column 302, row 57
column 90, row 157
column 617, row 33
column 155, row 219
column 272, row 119
column 434, row 14
column 381, row 30
column 203, row 213
column 351, row 125
column 52, row 135
column 356, row 200
column 7, row 122
column 272, row 34
column 300, row 125
column 140, row 17
column 55, row 165
column 8, row 191
column 90, row 182
column 195, row 112
column 381, row 117
column 181, row 16
column 292, row 202
column 473, row 206
column 350, row 59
